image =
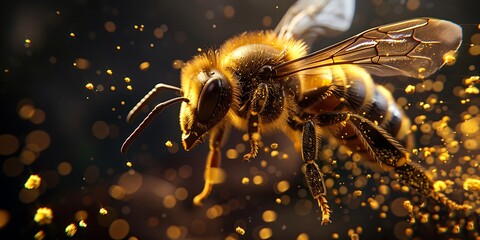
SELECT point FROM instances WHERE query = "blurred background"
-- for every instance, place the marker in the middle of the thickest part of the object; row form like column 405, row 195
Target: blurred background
column 71, row 71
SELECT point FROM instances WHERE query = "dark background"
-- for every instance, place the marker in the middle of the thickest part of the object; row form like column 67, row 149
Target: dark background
column 43, row 72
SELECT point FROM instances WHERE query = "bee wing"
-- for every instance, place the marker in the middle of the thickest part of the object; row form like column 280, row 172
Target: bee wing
column 414, row 48
column 310, row 19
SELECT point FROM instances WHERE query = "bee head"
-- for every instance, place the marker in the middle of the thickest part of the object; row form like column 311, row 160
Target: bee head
column 210, row 97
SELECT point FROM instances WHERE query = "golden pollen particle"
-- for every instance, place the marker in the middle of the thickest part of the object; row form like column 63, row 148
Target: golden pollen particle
column 40, row 235
column 43, row 216
column 82, row 224
column 33, row 182
column 127, row 79
column 129, row 87
column 472, row 80
column 168, row 144
column 274, row 145
column 103, row 211
column 357, row 193
column 245, row 180
column 240, row 230
column 439, row 186
column 109, row 72
column 144, row 66
column 129, row 164
column 89, row 86
column 71, row 229
column 471, row 184
column 410, row 89
column 448, row 58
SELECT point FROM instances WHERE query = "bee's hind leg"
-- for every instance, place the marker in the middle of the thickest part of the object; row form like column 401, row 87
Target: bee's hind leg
column 386, row 150
column 312, row 172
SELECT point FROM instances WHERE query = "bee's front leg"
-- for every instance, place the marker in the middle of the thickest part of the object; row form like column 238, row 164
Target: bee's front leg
column 212, row 171
column 312, row 172
column 253, row 119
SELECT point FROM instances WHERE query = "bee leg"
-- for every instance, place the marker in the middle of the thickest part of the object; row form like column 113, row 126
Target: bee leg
column 253, row 120
column 213, row 173
column 312, row 172
column 386, row 150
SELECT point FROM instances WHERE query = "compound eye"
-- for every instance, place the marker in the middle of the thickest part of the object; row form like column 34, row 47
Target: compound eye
column 208, row 100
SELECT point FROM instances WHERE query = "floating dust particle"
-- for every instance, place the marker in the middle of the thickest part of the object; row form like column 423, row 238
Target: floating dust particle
column 357, row 193
column 470, row 225
column 103, row 211
column 231, row 153
column 71, row 229
column 129, row 87
column 168, row 144
column 240, row 230
column 40, row 235
column 178, row 64
column 269, row 216
column 33, row 182
column 424, row 217
column 267, row 21
column 89, row 86
column 245, row 180
column 43, row 216
column 274, row 145
column 335, row 236
column 169, row 201
column 303, row 236
column 472, row 90
column 72, row 34
column 229, row 11
column 129, row 164
column 410, row 89
column 4, row 218
column 439, row 186
column 354, row 236
column 257, row 180
column 82, row 224
column 274, row 153
column 119, row 229
column 181, row 194
column 82, row 63
column 278, row 200
column 449, row 58
column 144, row 66
column 471, row 80
column 373, row 204
column 112, row 88
column 471, row 184
column 28, row 41
column 214, row 211
column 263, row 163
column 127, row 79
column 265, row 233
column 110, row 26
column 118, row 47
column 282, row 186
column 158, row 32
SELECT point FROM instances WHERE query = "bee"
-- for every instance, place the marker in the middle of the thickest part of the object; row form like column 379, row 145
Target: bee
column 265, row 81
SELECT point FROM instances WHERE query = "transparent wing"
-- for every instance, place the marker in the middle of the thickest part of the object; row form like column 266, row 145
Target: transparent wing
column 415, row 48
column 310, row 19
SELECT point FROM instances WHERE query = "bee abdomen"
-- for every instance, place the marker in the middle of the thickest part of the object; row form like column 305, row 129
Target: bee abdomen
column 352, row 89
